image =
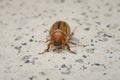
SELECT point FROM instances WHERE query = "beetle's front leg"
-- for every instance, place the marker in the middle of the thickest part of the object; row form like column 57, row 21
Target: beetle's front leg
column 68, row 47
column 72, row 43
column 48, row 47
column 45, row 41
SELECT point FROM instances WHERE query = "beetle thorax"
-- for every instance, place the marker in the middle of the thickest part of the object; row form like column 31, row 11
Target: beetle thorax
column 58, row 36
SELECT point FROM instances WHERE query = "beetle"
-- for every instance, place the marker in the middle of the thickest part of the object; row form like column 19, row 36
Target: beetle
column 60, row 35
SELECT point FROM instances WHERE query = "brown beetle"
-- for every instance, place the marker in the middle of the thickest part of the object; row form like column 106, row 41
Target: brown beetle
column 60, row 35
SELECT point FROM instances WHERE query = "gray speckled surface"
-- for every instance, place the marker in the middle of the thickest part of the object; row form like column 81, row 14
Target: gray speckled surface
column 23, row 24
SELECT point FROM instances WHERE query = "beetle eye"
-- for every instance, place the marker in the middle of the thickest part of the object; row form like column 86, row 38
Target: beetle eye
column 57, row 43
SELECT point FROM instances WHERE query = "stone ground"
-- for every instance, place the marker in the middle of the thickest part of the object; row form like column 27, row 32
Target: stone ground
column 24, row 23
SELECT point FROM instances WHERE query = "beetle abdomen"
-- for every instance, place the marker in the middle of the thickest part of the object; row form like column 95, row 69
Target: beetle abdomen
column 60, row 25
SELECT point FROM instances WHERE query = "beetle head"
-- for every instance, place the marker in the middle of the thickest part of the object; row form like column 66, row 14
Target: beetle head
column 57, row 43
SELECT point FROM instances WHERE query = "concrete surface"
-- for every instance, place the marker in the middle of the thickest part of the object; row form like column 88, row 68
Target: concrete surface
column 23, row 23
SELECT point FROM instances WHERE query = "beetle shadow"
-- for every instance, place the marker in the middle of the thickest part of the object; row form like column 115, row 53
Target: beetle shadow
column 58, row 50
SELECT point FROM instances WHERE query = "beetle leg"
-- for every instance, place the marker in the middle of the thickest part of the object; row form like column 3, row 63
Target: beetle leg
column 68, row 47
column 71, row 35
column 47, row 50
column 72, row 43
column 72, row 32
column 77, row 44
column 45, row 41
